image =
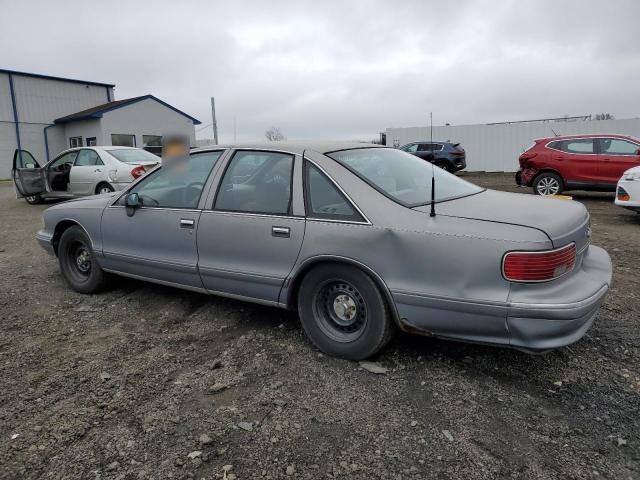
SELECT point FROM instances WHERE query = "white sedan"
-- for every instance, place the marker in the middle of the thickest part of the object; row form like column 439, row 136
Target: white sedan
column 628, row 190
column 79, row 171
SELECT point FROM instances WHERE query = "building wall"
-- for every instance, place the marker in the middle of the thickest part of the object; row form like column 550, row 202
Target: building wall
column 496, row 148
column 38, row 102
column 147, row 117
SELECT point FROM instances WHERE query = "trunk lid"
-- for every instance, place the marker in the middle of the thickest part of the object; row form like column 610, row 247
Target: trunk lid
column 563, row 221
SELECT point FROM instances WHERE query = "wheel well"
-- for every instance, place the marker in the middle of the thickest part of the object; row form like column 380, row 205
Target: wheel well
column 296, row 281
column 99, row 185
column 59, row 230
column 546, row 170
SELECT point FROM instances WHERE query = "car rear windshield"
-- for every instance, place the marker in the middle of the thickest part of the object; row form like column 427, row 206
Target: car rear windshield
column 403, row 177
column 134, row 155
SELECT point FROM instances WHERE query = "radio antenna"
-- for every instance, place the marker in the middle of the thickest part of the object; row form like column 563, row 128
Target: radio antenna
column 433, row 177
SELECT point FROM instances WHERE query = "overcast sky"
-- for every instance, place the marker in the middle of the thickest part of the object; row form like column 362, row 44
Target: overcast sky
column 340, row 69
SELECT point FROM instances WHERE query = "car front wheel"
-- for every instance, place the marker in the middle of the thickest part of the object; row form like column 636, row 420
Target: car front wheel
column 343, row 312
column 548, row 184
column 77, row 262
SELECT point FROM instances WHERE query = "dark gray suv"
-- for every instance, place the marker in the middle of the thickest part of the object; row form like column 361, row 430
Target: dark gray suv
column 446, row 155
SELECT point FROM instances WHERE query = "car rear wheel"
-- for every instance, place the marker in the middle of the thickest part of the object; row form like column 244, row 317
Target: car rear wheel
column 343, row 312
column 444, row 166
column 104, row 188
column 77, row 262
column 33, row 199
column 548, row 183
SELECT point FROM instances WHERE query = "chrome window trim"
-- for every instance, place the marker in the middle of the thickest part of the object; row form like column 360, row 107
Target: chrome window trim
column 250, row 214
column 590, row 138
column 349, row 199
column 168, row 209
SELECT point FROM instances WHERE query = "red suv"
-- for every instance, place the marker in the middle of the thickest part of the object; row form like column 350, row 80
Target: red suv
column 577, row 162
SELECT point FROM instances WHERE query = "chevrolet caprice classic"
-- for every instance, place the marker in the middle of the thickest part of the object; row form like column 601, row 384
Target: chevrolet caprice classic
column 361, row 240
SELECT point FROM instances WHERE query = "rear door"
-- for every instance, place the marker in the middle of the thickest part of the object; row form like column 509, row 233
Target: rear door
column 425, row 151
column 85, row 173
column 27, row 174
column 616, row 156
column 250, row 237
column 576, row 160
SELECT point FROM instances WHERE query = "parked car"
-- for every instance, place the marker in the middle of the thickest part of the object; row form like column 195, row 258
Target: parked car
column 628, row 190
column 577, row 162
column 344, row 234
column 446, row 155
column 79, row 171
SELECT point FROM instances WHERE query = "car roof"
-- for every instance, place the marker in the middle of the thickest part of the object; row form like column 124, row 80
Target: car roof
column 293, row 147
column 586, row 135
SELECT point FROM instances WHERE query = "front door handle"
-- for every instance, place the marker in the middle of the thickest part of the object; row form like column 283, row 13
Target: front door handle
column 187, row 223
column 281, row 232
column 97, row 170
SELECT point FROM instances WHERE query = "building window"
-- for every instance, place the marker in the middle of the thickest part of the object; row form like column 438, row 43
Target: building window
column 123, row 140
column 91, row 142
column 75, row 142
column 153, row 144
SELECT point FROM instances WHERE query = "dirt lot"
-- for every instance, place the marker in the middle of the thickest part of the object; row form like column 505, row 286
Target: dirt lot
column 129, row 383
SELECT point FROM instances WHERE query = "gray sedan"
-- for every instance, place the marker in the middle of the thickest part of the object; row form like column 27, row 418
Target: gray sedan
column 354, row 237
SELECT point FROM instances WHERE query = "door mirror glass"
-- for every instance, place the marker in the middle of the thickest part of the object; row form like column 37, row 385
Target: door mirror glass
column 132, row 200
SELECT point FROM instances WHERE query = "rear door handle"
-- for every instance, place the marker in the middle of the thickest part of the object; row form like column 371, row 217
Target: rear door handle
column 187, row 223
column 281, row 232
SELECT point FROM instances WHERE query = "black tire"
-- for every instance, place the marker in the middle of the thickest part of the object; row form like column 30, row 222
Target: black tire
column 443, row 165
column 343, row 312
column 548, row 182
column 77, row 262
column 104, row 188
column 33, row 199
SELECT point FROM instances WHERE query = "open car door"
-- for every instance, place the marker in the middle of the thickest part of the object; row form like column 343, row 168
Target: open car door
column 27, row 174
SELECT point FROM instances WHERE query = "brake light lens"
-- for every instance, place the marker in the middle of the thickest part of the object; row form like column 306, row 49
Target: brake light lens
column 539, row 266
column 457, row 153
column 138, row 171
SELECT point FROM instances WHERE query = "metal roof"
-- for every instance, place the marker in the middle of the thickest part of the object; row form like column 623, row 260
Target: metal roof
column 293, row 147
column 50, row 77
column 99, row 110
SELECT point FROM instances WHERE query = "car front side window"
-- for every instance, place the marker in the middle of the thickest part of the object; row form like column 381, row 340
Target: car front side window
column 178, row 184
column 66, row 159
column 257, row 182
column 618, row 146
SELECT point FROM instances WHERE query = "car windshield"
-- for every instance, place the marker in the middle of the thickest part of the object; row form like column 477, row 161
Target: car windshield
column 403, row 177
column 133, row 155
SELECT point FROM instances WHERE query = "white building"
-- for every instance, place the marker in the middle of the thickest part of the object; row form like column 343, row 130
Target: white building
column 496, row 147
column 45, row 115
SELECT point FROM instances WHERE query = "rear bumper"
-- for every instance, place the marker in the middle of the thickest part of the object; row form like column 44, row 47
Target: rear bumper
column 459, row 164
column 537, row 317
column 45, row 239
column 525, row 176
column 561, row 314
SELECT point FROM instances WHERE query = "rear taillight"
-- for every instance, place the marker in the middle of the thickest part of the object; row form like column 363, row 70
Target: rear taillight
column 457, row 153
column 138, row 171
column 538, row 266
column 528, row 155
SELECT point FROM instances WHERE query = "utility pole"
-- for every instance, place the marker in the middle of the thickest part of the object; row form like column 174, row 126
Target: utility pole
column 214, row 123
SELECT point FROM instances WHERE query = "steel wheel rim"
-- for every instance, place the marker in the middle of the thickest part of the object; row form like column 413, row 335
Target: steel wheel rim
column 79, row 260
column 105, row 190
column 340, row 310
column 548, row 186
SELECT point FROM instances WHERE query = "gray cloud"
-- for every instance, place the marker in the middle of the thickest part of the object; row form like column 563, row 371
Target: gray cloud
column 340, row 69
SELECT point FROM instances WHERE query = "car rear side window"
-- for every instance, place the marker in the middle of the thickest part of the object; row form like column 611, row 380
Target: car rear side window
column 257, row 182
column 87, row 158
column 574, row 145
column 324, row 200
column 178, row 184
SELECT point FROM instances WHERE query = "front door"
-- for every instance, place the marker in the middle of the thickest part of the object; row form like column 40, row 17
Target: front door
column 158, row 241
column 27, row 175
column 249, row 241
column 616, row 156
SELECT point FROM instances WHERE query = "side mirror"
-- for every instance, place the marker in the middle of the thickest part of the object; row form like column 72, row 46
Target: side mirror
column 131, row 202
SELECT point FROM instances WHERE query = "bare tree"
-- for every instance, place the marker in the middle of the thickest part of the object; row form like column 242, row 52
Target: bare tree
column 604, row 116
column 274, row 134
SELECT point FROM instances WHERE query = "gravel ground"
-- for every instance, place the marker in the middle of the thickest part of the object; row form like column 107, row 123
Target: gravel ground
column 151, row 382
